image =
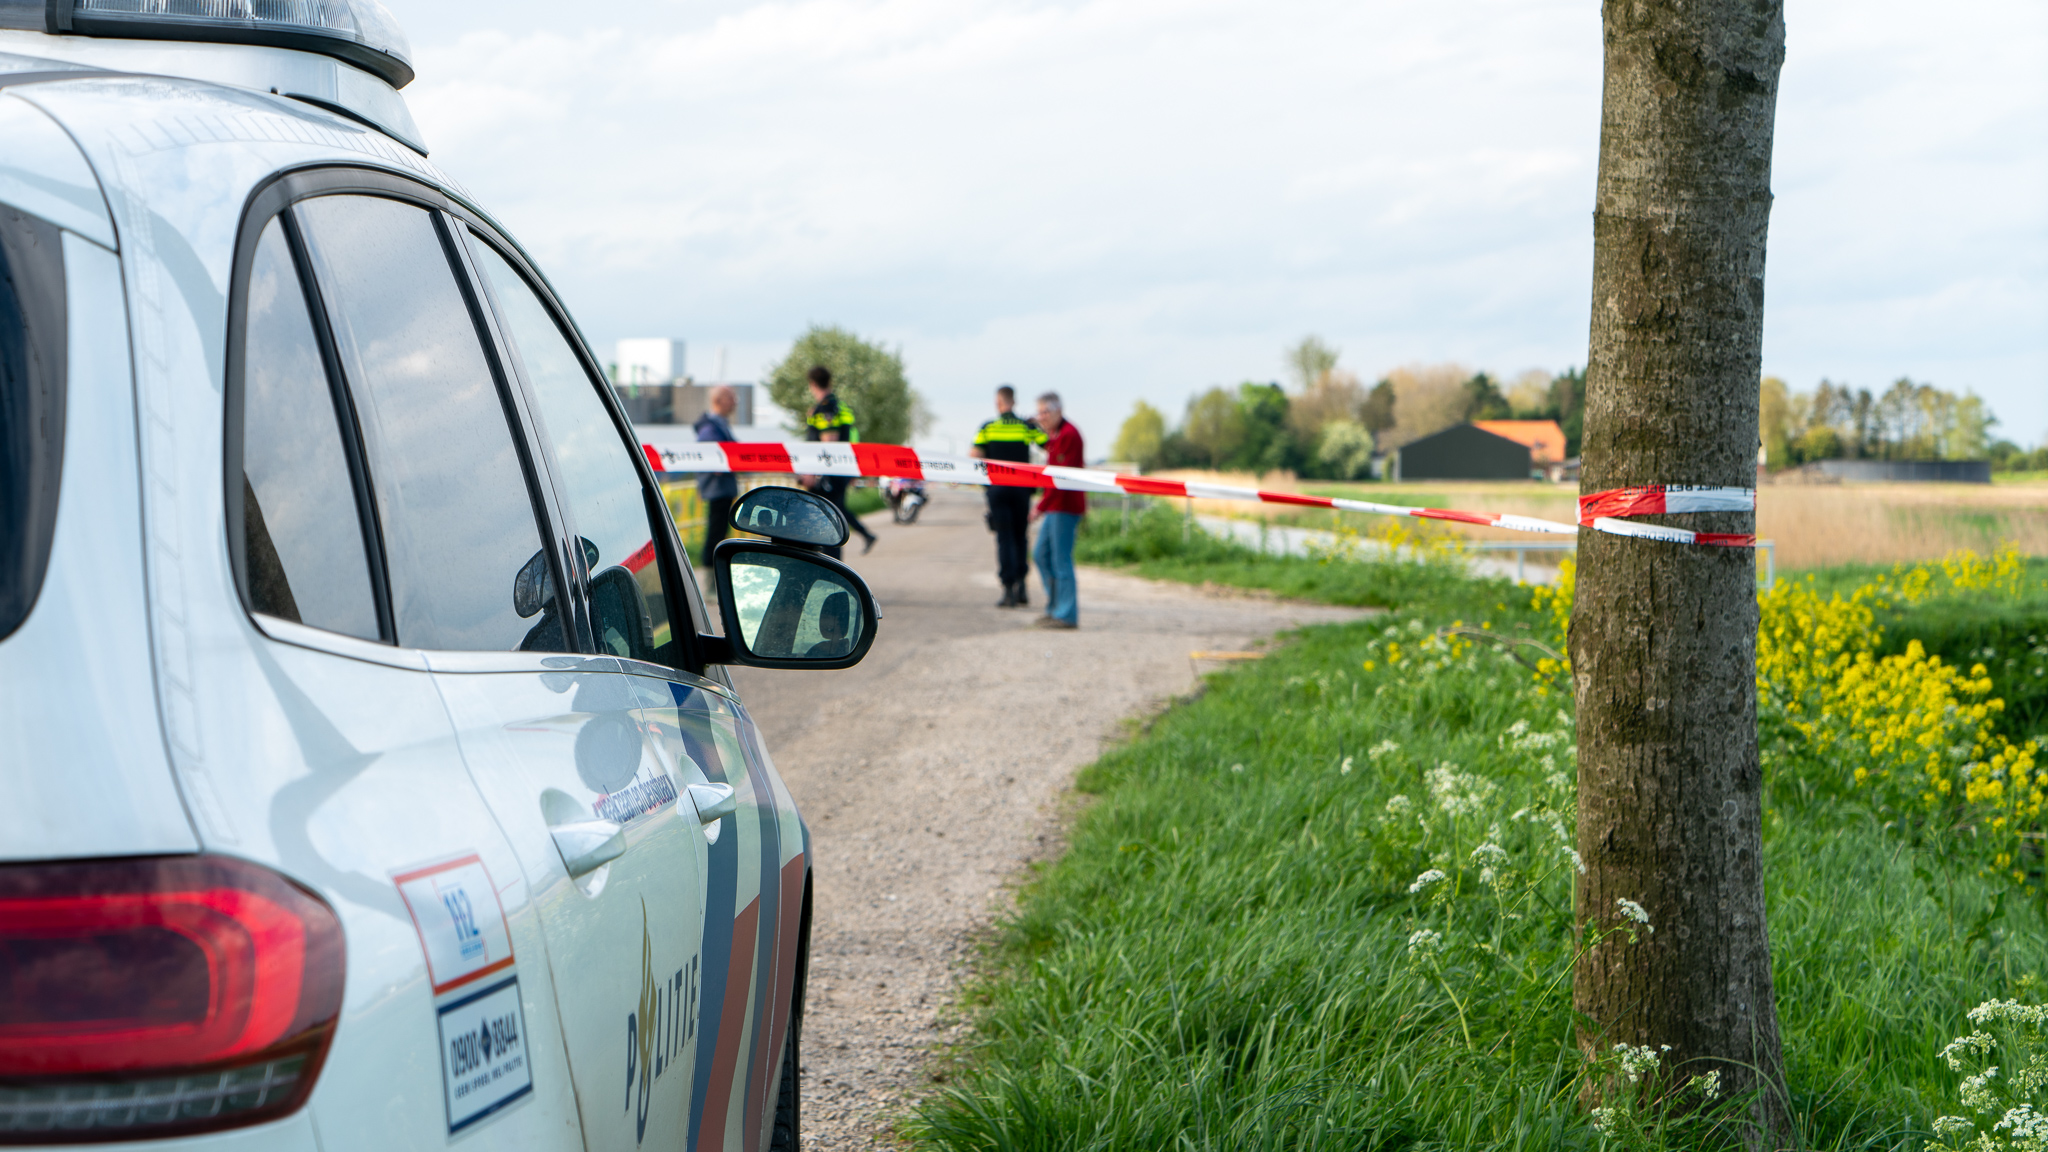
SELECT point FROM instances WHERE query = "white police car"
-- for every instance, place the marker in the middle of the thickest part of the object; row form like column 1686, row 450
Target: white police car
column 368, row 776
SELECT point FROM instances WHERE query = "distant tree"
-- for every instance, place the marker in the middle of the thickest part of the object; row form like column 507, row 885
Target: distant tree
column 1214, row 428
column 1529, row 395
column 1269, row 444
column 1309, row 361
column 1774, row 421
column 1377, row 413
column 1139, row 439
column 868, row 377
column 1335, row 395
column 1429, row 398
column 1483, row 399
column 1908, row 421
column 1820, row 442
column 1968, row 434
column 1568, row 406
column 1344, row 450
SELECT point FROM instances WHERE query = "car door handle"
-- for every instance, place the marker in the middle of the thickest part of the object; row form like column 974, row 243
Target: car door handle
column 714, row 801
column 587, row 845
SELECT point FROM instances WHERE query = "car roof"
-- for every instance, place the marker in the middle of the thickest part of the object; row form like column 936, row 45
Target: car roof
column 303, row 76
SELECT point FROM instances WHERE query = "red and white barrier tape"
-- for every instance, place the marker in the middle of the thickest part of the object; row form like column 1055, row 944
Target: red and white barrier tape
column 1601, row 511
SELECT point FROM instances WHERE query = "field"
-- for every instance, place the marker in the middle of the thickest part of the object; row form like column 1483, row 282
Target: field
column 1358, row 936
column 1813, row 526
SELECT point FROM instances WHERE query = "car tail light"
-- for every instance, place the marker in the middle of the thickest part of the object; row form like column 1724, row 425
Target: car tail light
column 159, row 996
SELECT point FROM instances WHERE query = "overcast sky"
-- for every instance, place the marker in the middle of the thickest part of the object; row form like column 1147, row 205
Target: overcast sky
column 1127, row 199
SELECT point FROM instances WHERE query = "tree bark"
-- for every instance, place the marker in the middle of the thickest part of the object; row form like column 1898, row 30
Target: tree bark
column 1663, row 636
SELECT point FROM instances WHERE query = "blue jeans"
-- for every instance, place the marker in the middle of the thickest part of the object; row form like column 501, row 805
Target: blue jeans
column 1055, row 558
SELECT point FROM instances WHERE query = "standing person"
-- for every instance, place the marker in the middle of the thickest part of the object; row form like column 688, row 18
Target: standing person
column 829, row 419
column 1060, row 517
column 717, row 489
column 1009, row 438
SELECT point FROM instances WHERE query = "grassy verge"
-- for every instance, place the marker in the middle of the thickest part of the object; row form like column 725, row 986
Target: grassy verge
column 1244, row 948
column 1159, row 545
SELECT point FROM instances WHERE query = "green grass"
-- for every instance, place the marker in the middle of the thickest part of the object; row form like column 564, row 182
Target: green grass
column 1221, row 959
column 863, row 501
column 1157, row 543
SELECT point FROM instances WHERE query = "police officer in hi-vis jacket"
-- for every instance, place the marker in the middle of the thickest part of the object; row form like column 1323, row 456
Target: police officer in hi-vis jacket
column 1009, row 438
column 831, row 419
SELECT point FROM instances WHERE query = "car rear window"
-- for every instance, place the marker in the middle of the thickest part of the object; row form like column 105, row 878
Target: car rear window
column 32, row 336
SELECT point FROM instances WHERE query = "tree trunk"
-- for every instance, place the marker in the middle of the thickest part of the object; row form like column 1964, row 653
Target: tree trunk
column 1663, row 636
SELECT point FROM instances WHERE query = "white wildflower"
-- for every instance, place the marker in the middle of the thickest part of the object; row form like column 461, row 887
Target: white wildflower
column 1433, row 876
column 1953, row 1126
column 1963, row 1045
column 2025, row 1124
column 1517, row 728
column 1709, row 1084
column 1237, row 767
column 1634, row 911
column 1458, row 793
column 1977, row 1090
column 1489, row 854
column 2009, row 1012
column 1383, row 748
column 1344, row 769
column 1400, row 806
column 1604, row 1118
column 1423, row 942
column 1635, row 1061
column 1574, row 854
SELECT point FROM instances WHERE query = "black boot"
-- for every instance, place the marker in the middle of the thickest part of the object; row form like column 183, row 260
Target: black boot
column 1009, row 599
column 1023, row 600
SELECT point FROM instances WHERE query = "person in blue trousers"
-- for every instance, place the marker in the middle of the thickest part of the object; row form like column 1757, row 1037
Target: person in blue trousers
column 1059, row 516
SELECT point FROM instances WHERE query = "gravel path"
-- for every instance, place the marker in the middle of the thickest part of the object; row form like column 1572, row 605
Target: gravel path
column 931, row 774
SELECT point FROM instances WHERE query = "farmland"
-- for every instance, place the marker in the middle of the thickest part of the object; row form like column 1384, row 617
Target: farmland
column 1812, row 525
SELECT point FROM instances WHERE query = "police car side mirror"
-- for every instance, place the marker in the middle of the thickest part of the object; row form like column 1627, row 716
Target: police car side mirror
column 790, row 515
column 790, row 607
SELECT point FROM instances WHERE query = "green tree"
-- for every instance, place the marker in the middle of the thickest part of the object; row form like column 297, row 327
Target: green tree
column 1344, row 450
column 1483, row 399
column 1139, row 439
column 1309, row 361
column 1269, row 444
column 867, row 376
column 1774, row 420
column 1568, row 406
column 1377, row 413
column 1214, row 428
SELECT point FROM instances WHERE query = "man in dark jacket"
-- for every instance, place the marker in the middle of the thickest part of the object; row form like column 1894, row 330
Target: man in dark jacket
column 1009, row 438
column 717, row 489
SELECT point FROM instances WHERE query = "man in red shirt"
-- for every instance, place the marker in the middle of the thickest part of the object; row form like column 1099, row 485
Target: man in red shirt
column 1059, row 515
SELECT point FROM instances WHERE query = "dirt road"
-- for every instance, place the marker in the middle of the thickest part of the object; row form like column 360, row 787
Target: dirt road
column 931, row 772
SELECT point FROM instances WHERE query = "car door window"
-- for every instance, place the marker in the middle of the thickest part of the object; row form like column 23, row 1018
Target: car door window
column 458, row 515
column 629, row 600
column 302, row 543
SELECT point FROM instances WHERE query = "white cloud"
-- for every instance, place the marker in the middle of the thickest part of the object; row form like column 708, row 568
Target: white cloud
column 1125, row 198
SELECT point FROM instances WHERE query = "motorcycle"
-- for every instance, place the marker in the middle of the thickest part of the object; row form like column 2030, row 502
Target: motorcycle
column 905, row 497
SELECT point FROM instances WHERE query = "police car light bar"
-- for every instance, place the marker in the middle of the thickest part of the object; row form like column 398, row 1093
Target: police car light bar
column 361, row 32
